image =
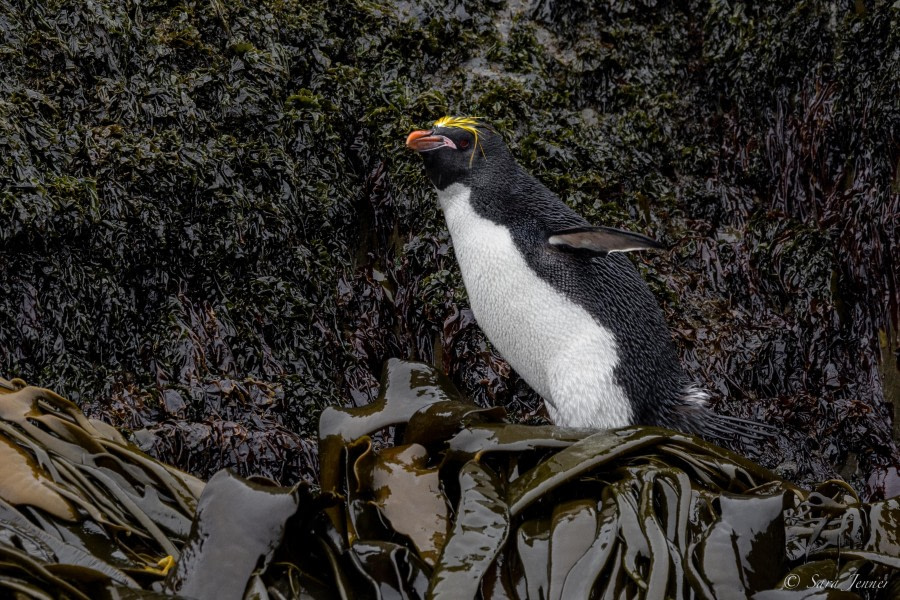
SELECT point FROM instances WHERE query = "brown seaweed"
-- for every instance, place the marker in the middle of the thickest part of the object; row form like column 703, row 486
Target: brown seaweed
column 474, row 507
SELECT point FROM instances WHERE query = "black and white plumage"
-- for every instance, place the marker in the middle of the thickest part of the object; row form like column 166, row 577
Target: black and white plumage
column 555, row 295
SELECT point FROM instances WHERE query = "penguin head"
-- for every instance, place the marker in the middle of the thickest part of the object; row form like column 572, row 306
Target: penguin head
column 458, row 150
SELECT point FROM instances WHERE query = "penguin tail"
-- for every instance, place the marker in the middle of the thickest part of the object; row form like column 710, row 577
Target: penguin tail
column 724, row 427
column 694, row 415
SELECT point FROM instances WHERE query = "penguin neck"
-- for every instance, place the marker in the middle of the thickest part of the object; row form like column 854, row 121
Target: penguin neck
column 460, row 205
column 454, row 197
column 456, row 203
column 497, row 196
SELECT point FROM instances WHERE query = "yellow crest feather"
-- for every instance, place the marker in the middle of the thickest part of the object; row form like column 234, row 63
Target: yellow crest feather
column 470, row 124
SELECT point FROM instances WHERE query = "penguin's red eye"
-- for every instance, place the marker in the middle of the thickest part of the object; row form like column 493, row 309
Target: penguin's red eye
column 463, row 144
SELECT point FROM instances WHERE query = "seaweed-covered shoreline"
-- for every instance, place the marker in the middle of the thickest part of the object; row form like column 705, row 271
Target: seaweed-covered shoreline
column 452, row 502
column 211, row 230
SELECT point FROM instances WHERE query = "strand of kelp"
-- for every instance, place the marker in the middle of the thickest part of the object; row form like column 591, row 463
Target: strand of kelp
column 81, row 508
column 531, row 512
column 466, row 506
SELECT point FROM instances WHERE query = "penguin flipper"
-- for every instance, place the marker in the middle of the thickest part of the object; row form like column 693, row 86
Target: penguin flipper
column 601, row 241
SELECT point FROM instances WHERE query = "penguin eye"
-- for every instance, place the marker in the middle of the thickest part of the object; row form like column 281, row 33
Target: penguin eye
column 463, row 144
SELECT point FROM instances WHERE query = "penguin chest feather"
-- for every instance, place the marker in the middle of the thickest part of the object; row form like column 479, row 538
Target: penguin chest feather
column 553, row 343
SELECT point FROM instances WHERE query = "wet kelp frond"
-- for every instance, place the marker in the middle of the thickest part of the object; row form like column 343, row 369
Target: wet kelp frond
column 530, row 512
column 426, row 495
column 87, row 515
column 73, row 491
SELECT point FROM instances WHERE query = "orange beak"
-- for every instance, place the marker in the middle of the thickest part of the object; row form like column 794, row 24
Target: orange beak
column 423, row 141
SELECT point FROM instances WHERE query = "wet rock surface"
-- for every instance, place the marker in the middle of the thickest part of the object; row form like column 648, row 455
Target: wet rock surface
column 211, row 229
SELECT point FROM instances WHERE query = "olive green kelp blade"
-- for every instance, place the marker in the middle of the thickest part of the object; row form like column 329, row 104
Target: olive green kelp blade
column 424, row 495
column 83, row 513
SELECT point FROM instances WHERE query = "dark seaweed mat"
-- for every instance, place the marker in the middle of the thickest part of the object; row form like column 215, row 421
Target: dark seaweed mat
column 458, row 505
column 210, row 229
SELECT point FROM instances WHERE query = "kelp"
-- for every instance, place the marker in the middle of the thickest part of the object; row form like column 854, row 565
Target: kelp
column 425, row 495
column 236, row 529
column 83, row 509
column 635, row 512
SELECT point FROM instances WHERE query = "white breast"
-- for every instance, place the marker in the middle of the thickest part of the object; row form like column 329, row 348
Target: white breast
column 553, row 343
